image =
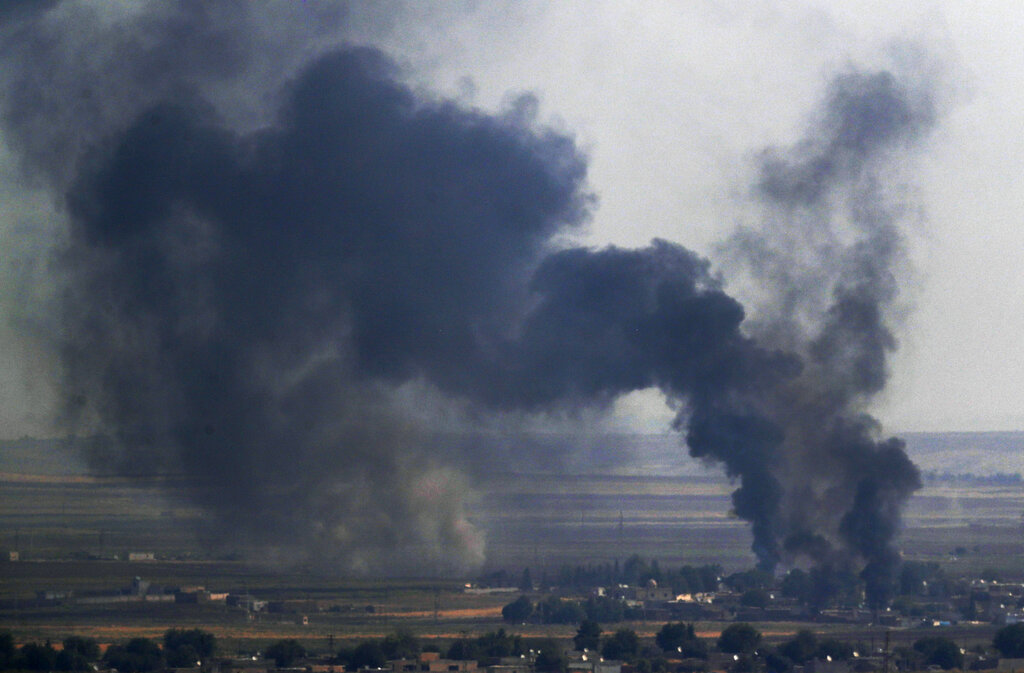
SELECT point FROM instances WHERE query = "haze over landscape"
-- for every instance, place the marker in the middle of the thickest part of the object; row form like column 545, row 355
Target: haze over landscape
column 340, row 264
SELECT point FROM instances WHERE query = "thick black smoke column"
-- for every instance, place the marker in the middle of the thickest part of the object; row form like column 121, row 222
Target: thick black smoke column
column 239, row 302
column 830, row 251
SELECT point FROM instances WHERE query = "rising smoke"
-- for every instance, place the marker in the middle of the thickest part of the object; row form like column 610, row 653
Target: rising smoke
column 241, row 304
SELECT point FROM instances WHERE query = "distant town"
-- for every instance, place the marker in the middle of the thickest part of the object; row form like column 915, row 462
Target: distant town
column 634, row 616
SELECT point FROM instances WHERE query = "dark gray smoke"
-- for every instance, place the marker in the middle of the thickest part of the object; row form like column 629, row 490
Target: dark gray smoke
column 829, row 253
column 241, row 306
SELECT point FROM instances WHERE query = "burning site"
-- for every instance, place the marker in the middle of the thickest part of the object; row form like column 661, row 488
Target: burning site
column 283, row 269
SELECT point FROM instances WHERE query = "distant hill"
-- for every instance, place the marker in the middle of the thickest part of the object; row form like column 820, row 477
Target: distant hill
column 977, row 453
column 639, row 455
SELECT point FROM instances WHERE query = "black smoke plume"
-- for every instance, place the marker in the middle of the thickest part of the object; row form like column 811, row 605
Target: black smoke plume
column 829, row 252
column 242, row 305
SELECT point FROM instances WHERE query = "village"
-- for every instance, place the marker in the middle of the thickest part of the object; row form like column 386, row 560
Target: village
column 694, row 618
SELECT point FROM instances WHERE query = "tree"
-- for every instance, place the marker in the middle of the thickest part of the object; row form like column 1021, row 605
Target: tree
column 183, row 656
column 749, row 579
column 203, row 642
column 1009, row 640
column 498, row 644
column 836, row 650
column 755, row 598
column 588, row 635
column 517, row 611
column 623, row 645
column 285, row 652
column 739, row 638
column 88, row 648
column 367, row 654
column 690, row 579
column 939, row 651
column 916, row 576
column 776, row 662
column 526, row 582
column 831, row 585
column 800, row 648
column 553, row 610
column 36, row 657
column 7, row 651
column 77, row 654
column 681, row 639
column 463, row 650
column 672, row 635
column 693, row 649
column 550, row 658
column 907, row 659
column 634, row 569
column 136, row 656
column 188, row 648
column 607, row 609
column 401, row 644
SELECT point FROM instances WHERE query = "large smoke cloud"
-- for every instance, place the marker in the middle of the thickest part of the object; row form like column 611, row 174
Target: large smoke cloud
column 242, row 304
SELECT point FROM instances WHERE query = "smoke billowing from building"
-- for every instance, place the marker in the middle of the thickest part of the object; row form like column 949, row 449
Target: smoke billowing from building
column 242, row 304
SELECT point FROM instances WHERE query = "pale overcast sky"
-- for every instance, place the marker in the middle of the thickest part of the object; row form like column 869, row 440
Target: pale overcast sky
column 670, row 101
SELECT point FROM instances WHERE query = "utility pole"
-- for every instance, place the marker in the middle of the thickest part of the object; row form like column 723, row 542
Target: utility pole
column 885, row 657
column 620, row 546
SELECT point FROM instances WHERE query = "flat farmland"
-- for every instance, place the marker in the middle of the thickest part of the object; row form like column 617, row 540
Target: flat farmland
column 68, row 528
column 537, row 521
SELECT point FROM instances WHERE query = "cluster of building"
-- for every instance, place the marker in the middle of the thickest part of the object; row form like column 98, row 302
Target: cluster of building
column 432, row 662
column 965, row 601
column 140, row 590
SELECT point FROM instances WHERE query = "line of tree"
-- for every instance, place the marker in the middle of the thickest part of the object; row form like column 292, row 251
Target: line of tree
column 751, row 654
column 818, row 588
column 634, row 571
column 181, row 649
column 554, row 610
column 76, row 654
column 401, row 644
column 677, row 641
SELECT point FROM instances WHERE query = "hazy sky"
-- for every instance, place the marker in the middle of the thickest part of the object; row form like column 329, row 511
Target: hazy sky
column 671, row 101
column 673, row 98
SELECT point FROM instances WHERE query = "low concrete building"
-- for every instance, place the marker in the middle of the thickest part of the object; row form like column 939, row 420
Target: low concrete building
column 246, row 601
column 594, row 664
column 430, row 662
column 652, row 593
column 826, row 666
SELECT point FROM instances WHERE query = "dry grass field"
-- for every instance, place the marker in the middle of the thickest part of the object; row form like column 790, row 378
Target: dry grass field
column 68, row 528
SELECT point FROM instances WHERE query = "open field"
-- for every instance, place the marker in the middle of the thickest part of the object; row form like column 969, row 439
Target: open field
column 530, row 521
column 529, row 524
column 68, row 527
